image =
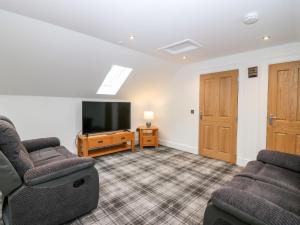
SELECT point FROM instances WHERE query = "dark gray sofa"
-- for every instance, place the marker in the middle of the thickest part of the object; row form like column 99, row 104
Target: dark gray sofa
column 266, row 192
column 41, row 182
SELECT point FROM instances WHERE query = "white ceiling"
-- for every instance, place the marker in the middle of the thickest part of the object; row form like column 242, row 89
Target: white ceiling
column 216, row 24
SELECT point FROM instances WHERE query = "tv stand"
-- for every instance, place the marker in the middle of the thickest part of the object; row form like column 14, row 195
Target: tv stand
column 105, row 143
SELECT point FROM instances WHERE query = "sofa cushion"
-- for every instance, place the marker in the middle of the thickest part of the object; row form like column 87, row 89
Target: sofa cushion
column 284, row 160
column 263, row 201
column 49, row 155
column 13, row 149
column 275, row 175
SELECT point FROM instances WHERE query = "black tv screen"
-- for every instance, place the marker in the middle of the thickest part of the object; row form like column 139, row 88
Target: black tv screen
column 105, row 116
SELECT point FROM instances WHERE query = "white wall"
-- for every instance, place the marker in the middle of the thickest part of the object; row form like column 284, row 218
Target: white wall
column 54, row 116
column 179, row 128
column 36, row 117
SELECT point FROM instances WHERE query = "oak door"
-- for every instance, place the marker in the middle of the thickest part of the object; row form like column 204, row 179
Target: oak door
column 218, row 115
column 283, row 125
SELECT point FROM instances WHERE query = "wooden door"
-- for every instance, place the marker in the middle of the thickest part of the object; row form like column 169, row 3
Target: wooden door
column 283, row 125
column 218, row 115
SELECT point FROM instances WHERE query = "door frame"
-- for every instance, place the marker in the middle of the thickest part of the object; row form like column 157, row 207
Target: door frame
column 234, row 125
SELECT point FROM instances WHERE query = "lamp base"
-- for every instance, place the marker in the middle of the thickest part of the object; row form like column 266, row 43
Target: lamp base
column 148, row 124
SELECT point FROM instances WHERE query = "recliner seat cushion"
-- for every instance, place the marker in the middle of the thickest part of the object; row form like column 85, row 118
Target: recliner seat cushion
column 13, row 149
column 49, row 155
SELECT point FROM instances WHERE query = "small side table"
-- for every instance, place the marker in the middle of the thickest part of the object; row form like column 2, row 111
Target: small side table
column 148, row 136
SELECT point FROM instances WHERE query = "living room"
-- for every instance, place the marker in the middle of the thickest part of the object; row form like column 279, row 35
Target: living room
column 185, row 60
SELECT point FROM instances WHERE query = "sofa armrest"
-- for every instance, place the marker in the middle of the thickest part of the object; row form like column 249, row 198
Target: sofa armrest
column 249, row 207
column 284, row 160
column 55, row 170
column 36, row 144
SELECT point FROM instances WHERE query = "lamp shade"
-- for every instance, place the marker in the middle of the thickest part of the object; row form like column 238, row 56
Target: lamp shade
column 148, row 115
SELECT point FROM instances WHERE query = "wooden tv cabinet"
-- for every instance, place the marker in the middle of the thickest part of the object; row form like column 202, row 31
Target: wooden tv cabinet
column 103, row 144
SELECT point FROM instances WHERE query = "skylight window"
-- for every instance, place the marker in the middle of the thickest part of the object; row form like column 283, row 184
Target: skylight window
column 114, row 80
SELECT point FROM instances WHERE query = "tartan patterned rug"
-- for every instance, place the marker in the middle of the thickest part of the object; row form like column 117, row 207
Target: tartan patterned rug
column 155, row 186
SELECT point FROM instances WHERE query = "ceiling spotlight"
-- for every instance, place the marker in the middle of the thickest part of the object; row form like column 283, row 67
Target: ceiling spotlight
column 184, row 57
column 131, row 37
column 250, row 18
column 266, row 38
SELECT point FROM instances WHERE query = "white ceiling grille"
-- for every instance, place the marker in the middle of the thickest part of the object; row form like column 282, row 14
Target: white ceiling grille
column 181, row 47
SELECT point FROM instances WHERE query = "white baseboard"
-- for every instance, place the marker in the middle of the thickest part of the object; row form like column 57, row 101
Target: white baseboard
column 194, row 150
column 182, row 147
column 242, row 161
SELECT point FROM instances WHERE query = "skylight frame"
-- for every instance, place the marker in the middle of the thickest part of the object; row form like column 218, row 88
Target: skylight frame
column 114, row 80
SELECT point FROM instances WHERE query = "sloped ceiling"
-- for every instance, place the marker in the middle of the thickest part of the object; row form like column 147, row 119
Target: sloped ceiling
column 216, row 24
column 39, row 58
column 66, row 47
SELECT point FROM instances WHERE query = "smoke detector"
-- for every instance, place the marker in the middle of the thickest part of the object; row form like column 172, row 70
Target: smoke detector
column 250, row 18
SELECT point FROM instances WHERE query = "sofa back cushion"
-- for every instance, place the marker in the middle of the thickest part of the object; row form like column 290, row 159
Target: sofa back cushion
column 13, row 149
column 283, row 160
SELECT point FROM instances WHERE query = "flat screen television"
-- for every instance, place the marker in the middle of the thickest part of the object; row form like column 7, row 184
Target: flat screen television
column 105, row 116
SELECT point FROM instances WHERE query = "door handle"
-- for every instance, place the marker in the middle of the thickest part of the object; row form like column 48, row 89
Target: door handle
column 271, row 118
column 200, row 114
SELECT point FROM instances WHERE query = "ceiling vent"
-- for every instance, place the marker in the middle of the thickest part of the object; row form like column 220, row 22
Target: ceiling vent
column 181, row 47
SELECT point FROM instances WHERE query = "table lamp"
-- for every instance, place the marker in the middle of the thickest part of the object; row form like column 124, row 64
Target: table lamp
column 148, row 116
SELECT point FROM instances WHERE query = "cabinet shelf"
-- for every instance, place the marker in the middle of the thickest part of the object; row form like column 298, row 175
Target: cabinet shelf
column 103, row 144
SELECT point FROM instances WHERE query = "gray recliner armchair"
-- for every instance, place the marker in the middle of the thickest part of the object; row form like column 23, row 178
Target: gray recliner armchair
column 41, row 182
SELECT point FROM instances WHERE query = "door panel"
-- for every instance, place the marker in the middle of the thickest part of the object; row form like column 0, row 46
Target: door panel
column 210, row 97
column 209, row 135
column 283, row 142
column 283, row 129
column 225, row 96
column 218, row 108
column 224, row 139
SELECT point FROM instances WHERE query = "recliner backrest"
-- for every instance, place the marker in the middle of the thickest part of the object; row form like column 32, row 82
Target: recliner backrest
column 12, row 147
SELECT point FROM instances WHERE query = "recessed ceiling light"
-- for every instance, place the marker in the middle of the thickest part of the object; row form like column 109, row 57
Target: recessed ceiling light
column 131, row 37
column 184, row 57
column 266, row 38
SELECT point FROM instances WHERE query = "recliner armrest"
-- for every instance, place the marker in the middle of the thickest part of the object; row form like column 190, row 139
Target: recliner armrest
column 55, row 170
column 40, row 143
column 284, row 160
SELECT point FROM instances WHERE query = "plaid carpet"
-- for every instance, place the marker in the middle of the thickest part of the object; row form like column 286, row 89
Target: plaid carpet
column 155, row 186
